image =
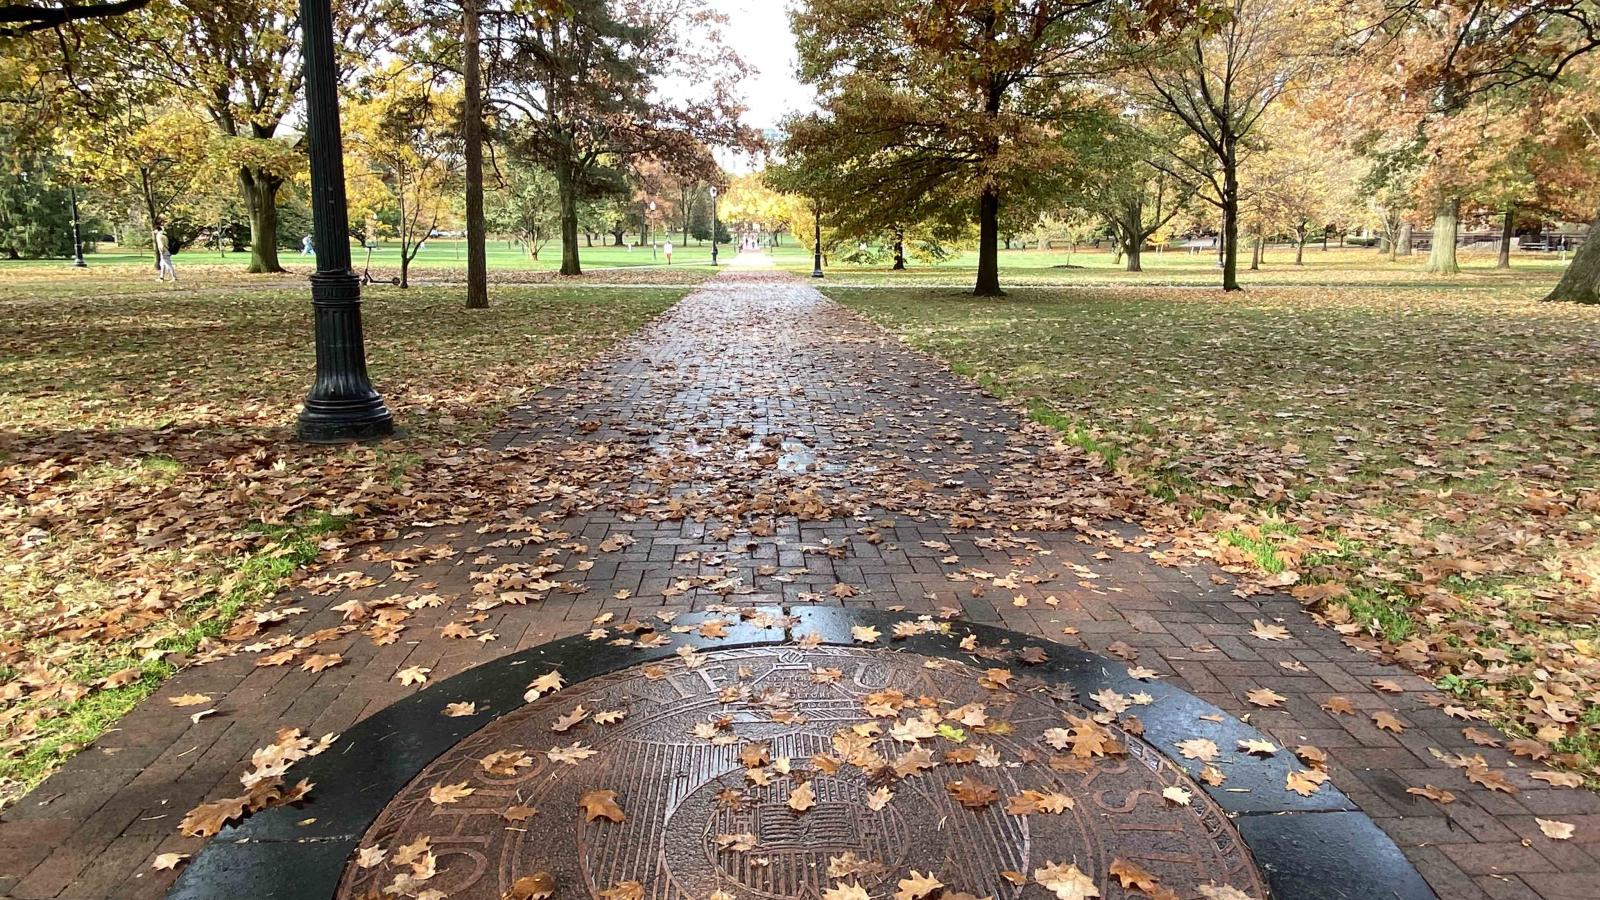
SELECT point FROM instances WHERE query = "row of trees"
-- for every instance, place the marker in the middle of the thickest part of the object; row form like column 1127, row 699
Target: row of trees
column 542, row 105
column 1282, row 118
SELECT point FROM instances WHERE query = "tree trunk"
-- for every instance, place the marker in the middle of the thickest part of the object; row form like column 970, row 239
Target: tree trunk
column 260, row 191
column 1442, row 256
column 1504, row 262
column 569, row 218
column 1581, row 282
column 150, row 210
column 1300, row 247
column 899, row 250
column 1230, row 218
column 1255, row 253
column 1133, row 251
column 472, row 137
column 988, row 284
column 1404, row 240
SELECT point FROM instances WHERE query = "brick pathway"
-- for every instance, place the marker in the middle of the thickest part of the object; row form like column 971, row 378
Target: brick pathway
column 760, row 445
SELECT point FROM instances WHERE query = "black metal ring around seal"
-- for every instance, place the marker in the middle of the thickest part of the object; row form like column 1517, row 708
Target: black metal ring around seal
column 1319, row 847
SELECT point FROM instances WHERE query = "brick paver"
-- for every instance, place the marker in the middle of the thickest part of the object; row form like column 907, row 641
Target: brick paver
column 760, row 445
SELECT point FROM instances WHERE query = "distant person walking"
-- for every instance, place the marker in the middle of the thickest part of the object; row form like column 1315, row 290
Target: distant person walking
column 306, row 248
column 163, row 254
column 667, row 249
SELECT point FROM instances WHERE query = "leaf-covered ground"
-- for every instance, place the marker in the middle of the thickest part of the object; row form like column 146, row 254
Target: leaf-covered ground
column 1416, row 462
column 149, row 484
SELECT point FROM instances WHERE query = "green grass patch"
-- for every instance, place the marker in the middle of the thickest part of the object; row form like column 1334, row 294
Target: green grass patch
column 255, row 579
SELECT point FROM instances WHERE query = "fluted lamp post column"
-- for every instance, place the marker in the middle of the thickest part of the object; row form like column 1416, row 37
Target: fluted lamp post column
column 816, row 249
column 713, row 191
column 342, row 405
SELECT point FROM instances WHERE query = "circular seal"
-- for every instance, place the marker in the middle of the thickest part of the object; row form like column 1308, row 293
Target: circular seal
column 777, row 773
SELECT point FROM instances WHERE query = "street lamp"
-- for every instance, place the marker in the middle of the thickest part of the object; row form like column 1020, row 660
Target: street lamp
column 342, row 405
column 816, row 255
column 72, row 196
column 713, row 226
column 649, row 218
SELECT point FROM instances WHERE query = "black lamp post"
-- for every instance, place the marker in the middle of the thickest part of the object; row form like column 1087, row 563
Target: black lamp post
column 342, row 405
column 77, row 239
column 816, row 253
column 713, row 226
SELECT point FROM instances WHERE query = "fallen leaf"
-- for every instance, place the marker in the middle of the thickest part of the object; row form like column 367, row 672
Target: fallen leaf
column 1555, row 831
column 449, row 793
column 916, row 886
column 601, row 805
column 169, row 861
column 1267, row 632
column 1067, row 882
column 802, row 798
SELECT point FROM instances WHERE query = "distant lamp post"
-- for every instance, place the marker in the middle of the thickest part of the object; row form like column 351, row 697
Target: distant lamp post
column 651, row 217
column 342, row 405
column 816, row 252
column 72, row 197
column 713, row 226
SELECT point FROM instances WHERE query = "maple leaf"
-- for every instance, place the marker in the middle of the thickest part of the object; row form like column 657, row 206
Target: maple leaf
column 1558, row 779
column 547, row 683
column 1339, row 706
column 1438, row 795
column 865, row 634
column 1258, row 747
column 610, row 716
column 567, row 721
column 169, row 861
column 971, row 793
column 457, row 710
column 737, row 843
column 624, row 890
column 1130, row 875
column 802, row 798
column 570, row 755
column 1177, row 796
column 538, row 886
column 1266, row 697
column 1203, row 749
column 317, row 662
column 413, row 675
column 601, row 805
column 1029, row 802
column 916, row 886
column 1305, row 782
column 367, row 857
column 449, row 793
column 1556, row 831
column 1067, row 882
column 1267, row 632
column 842, row 591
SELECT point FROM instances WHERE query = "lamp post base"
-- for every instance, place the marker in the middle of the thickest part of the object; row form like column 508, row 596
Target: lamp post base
column 344, row 423
column 79, row 263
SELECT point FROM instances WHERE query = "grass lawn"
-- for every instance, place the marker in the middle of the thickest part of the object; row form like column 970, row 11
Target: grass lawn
column 150, row 488
column 1177, row 267
column 438, row 253
column 1414, row 457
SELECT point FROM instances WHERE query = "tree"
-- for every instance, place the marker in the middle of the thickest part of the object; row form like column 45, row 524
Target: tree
column 527, row 204
column 161, row 159
column 35, row 210
column 239, row 62
column 956, row 101
column 404, row 132
column 1220, row 84
column 1133, row 195
column 563, row 84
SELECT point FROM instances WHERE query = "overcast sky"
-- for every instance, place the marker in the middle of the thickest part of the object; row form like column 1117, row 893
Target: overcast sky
column 758, row 30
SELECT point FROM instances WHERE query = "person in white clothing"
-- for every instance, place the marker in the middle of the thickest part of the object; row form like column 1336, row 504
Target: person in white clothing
column 163, row 255
column 667, row 249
